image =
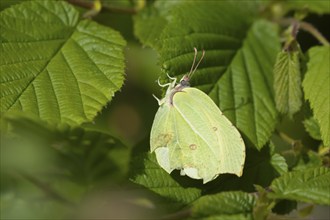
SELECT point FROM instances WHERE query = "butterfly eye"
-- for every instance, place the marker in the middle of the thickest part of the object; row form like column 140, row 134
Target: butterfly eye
column 184, row 83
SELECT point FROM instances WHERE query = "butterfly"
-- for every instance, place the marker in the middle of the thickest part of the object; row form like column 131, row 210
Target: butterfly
column 191, row 134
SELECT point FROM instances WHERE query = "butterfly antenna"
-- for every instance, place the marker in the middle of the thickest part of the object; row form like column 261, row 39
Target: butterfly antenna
column 193, row 64
column 192, row 71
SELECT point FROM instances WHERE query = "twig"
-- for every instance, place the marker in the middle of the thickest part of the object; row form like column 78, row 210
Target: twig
column 89, row 5
column 45, row 188
column 287, row 139
column 313, row 31
column 306, row 27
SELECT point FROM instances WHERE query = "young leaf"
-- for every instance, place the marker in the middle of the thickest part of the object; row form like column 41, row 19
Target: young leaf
column 311, row 186
column 316, row 88
column 313, row 128
column 279, row 163
column 239, row 57
column 226, row 205
column 287, row 82
column 147, row 172
column 263, row 205
column 55, row 66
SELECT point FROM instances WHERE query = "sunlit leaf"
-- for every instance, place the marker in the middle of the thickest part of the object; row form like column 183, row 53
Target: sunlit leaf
column 226, row 205
column 311, row 186
column 54, row 65
column 279, row 163
column 313, row 128
column 317, row 90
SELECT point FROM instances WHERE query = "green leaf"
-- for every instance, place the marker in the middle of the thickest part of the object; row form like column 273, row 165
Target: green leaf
column 313, row 128
column 314, row 6
column 311, row 186
column 147, row 172
column 55, row 66
column 240, row 54
column 279, row 163
column 248, row 78
column 226, row 205
column 149, row 23
column 287, row 82
column 317, row 90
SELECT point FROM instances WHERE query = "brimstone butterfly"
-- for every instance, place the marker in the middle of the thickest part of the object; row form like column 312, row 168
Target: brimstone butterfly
column 191, row 134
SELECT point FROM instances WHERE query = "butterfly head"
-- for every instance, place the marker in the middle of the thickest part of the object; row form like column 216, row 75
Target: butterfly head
column 184, row 82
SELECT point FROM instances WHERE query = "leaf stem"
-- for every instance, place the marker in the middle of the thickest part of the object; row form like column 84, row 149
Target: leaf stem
column 89, row 5
column 306, row 27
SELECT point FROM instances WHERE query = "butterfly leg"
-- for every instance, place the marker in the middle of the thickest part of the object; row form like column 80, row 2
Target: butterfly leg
column 172, row 84
column 163, row 85
column 172, row 78
column 167, row 84
column 158, row 100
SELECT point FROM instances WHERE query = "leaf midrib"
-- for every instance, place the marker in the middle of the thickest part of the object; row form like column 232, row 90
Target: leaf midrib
column 46, row 65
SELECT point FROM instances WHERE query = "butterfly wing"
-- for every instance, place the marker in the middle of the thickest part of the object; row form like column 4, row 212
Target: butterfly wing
column 210, row 141
column 194, row 136
column 163, row 137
